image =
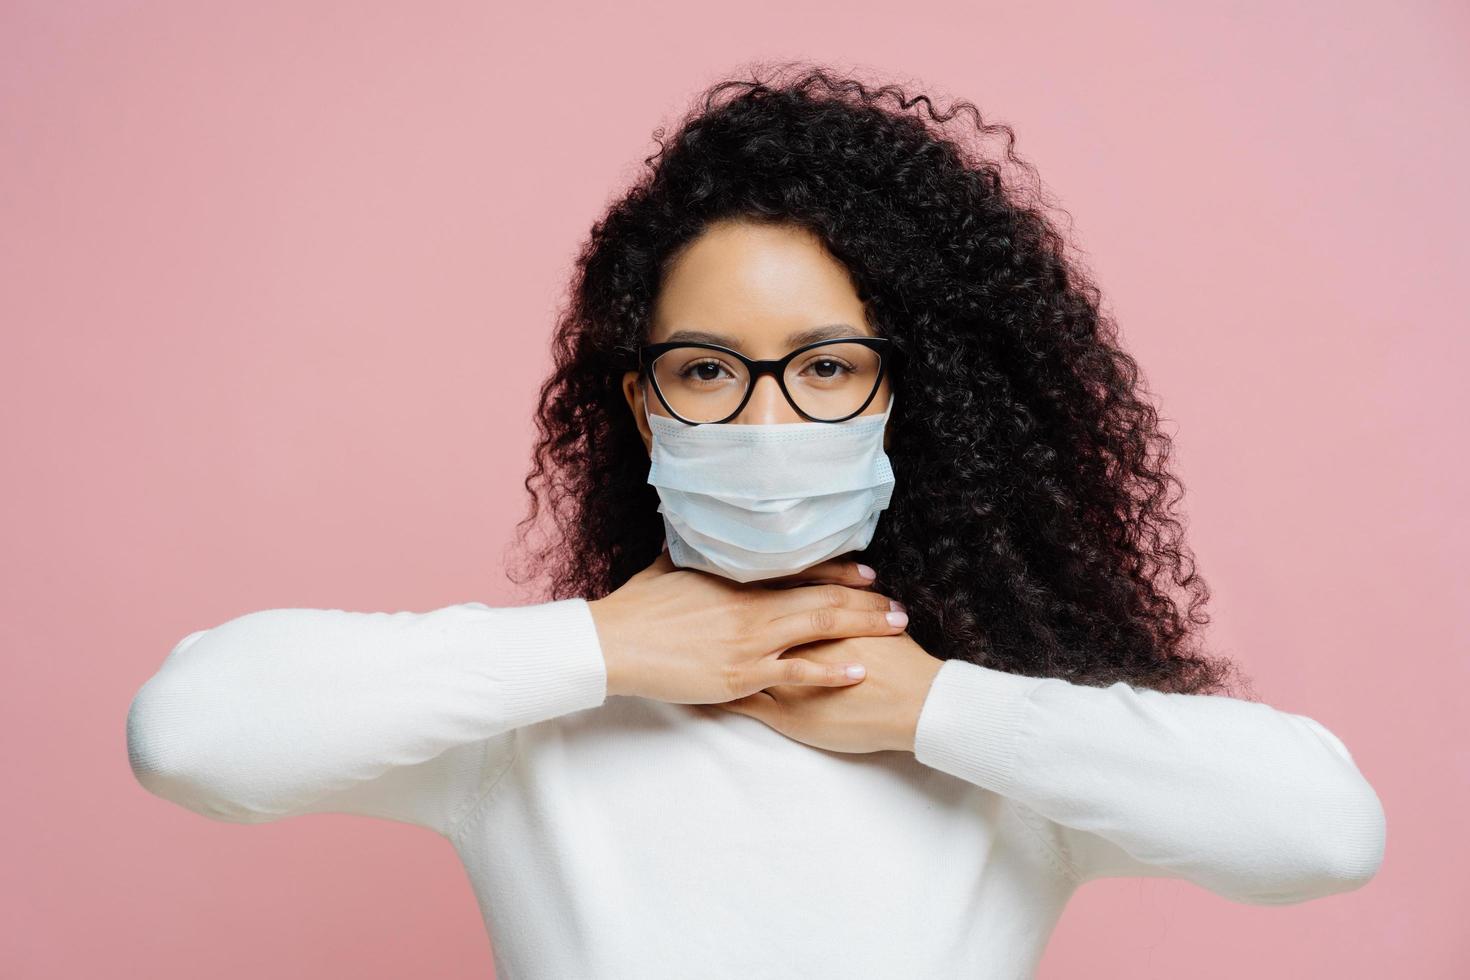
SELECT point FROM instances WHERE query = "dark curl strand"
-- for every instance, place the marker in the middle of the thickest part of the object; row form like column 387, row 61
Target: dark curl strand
column 1031, row 529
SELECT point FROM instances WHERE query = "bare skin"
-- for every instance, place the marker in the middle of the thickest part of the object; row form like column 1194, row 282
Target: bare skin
column 773, row 650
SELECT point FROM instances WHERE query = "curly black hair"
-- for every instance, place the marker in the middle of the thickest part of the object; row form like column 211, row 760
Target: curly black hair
column 1031, row 528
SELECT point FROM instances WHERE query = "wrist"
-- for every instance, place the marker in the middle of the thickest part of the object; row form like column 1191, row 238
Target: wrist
column 613, row 659
column 915, row 694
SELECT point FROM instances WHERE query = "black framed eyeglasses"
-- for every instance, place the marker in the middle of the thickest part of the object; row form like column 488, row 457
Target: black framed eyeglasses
column 827, row 381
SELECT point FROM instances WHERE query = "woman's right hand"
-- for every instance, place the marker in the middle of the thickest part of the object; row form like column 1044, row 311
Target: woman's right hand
column 690, row 637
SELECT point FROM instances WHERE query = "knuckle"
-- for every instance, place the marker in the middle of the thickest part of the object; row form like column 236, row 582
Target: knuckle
column 824, row 619
column 792, row 671
column 834, row 595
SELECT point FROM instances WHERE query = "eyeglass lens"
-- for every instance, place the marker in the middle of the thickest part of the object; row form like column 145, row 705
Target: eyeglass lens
column 827, row 382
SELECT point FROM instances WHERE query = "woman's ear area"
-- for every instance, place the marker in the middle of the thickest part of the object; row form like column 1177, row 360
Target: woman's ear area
column 888, row 433
column 633, row 392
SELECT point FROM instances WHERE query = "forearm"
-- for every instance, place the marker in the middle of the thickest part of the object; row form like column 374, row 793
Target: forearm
column 276, row 711
column 1249, row 801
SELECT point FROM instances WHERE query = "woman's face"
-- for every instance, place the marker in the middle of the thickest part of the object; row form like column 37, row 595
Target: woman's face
column 761, row 290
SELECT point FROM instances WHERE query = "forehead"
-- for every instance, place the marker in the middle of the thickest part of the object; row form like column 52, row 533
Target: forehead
column 759, row 288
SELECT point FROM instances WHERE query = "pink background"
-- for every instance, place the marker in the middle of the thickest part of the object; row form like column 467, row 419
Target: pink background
column 277, row 285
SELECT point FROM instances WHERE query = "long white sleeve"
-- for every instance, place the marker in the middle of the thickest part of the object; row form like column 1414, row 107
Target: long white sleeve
column 1257, row 805
column 403, row 715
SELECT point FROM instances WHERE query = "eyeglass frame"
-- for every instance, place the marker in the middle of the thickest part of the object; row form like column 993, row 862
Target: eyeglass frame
column 648, row 353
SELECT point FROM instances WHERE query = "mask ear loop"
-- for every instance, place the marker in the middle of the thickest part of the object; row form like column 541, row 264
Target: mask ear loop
column 887, row 412
column 643, row 397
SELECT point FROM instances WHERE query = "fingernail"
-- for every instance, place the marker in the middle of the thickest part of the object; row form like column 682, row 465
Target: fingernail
column 895, row 604
column 898, row 618
column 867, row 573
column 856, row 670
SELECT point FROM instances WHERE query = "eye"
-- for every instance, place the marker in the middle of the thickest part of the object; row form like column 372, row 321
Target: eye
column 703, row 370
column 828, row 368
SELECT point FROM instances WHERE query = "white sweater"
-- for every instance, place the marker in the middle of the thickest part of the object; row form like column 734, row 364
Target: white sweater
column 611, row 837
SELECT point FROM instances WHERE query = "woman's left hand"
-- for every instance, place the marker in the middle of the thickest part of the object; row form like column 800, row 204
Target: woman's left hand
column 878, row 713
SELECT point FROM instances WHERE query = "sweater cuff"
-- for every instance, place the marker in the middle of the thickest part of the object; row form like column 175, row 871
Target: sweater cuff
column 970, row 723
column 546, row 658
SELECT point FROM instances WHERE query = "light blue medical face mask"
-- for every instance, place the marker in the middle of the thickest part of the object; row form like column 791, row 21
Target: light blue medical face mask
column 754, row 502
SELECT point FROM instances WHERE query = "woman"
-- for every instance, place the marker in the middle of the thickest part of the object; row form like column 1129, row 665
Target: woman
column 820, row 337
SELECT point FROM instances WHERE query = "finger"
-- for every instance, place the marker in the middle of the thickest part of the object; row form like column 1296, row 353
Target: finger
column 807, row 598
column 841, row 571
column 828, row 622
column 773, row 672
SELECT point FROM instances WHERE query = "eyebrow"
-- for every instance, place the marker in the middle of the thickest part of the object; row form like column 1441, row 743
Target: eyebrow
column 826, row 331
